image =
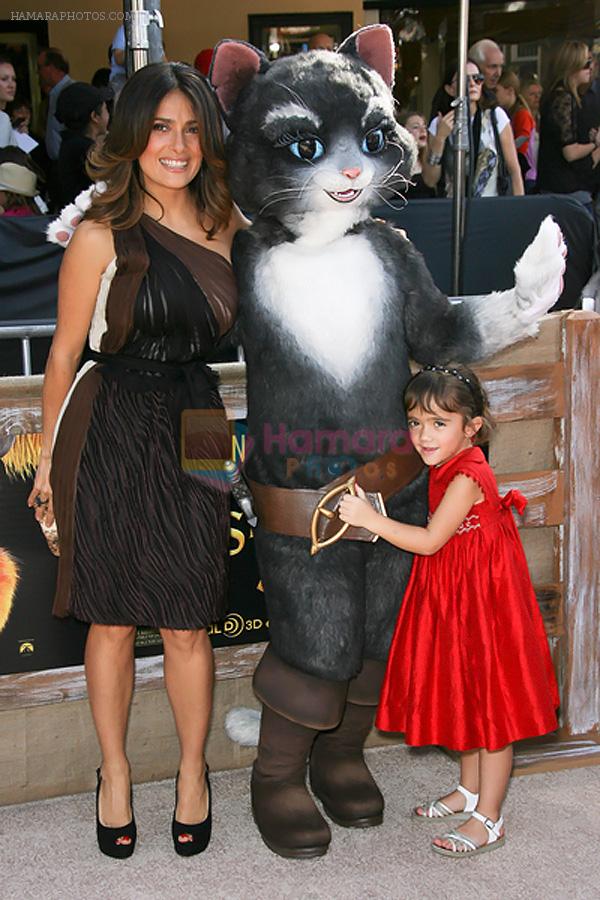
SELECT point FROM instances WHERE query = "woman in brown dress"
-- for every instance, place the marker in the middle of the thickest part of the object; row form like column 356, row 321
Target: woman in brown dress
column 146, row 281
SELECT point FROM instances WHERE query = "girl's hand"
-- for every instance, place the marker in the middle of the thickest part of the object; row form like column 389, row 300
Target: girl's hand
column 445, row 125
column 40, row 498
column 357, row 510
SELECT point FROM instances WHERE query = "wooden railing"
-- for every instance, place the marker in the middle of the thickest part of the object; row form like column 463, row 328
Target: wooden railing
column 544, row 397
column 544, row 394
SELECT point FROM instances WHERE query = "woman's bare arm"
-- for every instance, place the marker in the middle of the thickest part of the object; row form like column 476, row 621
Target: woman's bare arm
column 87, row 256
column 509, row 150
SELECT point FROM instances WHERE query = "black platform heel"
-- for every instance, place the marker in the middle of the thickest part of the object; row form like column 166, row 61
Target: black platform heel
column 108, row 838
column 200, row 833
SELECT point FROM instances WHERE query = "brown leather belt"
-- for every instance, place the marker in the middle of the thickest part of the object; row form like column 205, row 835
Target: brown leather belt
column 290, row 511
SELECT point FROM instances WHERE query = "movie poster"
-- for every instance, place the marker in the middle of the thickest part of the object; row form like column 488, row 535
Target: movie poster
column 32, row 639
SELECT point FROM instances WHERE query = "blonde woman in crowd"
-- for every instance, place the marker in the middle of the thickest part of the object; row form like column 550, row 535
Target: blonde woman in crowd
column 566, row 165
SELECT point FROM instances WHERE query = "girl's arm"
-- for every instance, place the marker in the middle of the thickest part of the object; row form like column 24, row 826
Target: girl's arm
column 459, row 498
column 507, row 142
column 87, row 256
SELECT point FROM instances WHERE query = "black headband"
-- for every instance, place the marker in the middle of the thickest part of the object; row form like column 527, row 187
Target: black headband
column 456, row 374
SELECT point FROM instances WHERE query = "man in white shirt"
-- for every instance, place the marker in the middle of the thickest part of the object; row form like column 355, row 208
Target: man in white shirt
column 118, row 72
column 53, row 70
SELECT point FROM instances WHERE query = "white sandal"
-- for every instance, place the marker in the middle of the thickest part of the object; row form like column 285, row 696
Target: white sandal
column 439, row 810
column 465, row 846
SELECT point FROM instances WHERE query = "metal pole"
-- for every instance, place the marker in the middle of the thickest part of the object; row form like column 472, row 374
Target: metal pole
column 26, row 355
column 143, row 33
column 461, row 145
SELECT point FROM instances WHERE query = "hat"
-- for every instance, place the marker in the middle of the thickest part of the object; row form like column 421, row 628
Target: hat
column 77, row 102
column 18, row 179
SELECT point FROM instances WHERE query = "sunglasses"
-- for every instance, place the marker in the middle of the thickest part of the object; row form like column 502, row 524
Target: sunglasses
column 476, row 79
column 588, row 64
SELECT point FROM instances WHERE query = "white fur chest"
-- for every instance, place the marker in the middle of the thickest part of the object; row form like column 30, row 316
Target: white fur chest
column 329, row 300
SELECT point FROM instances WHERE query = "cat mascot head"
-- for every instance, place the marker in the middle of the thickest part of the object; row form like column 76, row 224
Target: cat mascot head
column 313, row 136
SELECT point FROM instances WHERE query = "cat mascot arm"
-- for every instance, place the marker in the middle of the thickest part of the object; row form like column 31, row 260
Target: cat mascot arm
column 332, row 305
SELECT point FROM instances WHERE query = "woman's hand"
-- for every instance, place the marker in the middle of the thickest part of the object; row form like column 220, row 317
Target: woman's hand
column 40, row 498
column 445, row 125
column 357, row 510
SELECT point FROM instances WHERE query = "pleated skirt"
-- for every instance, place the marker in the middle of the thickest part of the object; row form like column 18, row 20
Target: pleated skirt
column 142, row 541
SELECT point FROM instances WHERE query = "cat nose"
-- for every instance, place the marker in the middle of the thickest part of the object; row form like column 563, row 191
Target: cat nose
column 351, row 173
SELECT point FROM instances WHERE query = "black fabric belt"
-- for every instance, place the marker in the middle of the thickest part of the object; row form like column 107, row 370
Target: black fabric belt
column 189, row 385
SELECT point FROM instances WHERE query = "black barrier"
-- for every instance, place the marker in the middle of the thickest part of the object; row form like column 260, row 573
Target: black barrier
column 498, row 229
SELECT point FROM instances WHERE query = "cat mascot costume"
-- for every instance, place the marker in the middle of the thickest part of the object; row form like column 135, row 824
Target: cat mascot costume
column 332, row 305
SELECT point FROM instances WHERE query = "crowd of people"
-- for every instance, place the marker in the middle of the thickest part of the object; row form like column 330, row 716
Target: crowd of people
column 518, row 143
column 522, row 139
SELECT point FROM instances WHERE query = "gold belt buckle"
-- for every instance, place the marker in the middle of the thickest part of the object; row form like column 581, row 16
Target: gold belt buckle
column 321, row 509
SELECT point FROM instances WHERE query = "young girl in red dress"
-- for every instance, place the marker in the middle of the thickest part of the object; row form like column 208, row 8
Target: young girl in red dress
column 469, row 666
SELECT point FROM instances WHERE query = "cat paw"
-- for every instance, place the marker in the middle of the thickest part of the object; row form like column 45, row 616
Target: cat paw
column 539, row 273
column 60, row 230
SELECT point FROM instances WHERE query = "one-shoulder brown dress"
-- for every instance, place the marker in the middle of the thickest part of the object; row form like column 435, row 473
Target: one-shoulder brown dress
column 143, row 541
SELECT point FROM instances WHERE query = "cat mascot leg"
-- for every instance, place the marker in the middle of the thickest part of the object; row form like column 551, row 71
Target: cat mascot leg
column 332, row 305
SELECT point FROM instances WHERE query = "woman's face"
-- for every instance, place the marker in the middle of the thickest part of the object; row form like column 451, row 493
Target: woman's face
column 417, row 127
column 505, row 96
column 102, row 119
column 173, row 155
column 8, row 84
column 474, row 83
column 584, row 74
column 533, row 97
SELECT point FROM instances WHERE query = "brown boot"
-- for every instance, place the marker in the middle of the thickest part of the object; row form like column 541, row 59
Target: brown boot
column 338, row 773
column 285, row 813
column 286, row 816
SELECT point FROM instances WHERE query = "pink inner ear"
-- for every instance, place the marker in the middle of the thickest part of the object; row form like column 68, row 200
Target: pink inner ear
column 375, row 46
column 234, row 65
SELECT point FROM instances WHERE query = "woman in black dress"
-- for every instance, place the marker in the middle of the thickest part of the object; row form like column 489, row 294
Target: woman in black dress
column 566, row 165
column 146, row 281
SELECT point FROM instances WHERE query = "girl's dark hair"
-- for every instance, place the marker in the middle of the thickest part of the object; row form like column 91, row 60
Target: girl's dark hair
column 116, row 162
column 455, row 389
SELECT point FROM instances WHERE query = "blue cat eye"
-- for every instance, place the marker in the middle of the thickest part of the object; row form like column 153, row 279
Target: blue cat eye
column 374, row 141
column 307, row 149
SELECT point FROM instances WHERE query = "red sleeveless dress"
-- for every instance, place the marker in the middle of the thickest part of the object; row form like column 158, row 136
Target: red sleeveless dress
column 469, row 664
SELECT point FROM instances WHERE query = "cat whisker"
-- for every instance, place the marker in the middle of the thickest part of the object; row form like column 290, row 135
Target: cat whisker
column 280, row 196
column 391, row 190
column 388, row 203
column 391, row 173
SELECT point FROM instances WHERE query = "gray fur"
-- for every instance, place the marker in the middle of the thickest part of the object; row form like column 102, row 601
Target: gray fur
column 328, row 612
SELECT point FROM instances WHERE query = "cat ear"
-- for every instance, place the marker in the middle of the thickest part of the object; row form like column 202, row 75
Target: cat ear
column 374, row 44
column 233, row 66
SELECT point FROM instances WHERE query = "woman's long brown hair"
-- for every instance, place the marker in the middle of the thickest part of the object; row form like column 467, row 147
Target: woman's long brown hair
column 116, row 162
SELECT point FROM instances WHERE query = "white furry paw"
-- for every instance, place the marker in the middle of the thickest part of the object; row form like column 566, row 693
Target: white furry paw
column 60, row 230
column 539, row 272
column 242, row 726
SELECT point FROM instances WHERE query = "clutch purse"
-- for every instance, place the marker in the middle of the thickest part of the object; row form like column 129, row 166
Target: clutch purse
column 50, row 532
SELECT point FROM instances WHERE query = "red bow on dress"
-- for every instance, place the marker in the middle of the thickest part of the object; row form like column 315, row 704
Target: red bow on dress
column 516, row 499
